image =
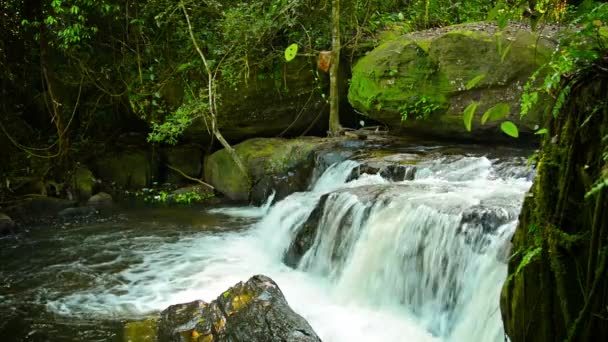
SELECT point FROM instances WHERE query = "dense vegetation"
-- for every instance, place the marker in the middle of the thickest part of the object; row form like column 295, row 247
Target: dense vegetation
column 77, row 71
column 78, row 74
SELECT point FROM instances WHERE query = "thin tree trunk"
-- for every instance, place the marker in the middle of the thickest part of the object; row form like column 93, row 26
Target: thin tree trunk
column 334, row 97
column 212, row 103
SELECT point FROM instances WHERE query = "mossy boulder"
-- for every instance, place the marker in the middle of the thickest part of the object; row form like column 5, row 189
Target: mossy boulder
column 252, row 311
column 429, row 78
column 283, row 165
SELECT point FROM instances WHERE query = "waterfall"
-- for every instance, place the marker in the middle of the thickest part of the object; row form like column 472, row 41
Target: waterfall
column 430, row 246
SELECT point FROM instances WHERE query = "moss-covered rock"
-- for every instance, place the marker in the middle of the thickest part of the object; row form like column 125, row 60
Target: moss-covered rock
column 252, row 311
column 272, row 163
column 431, row 78
column 282, row 99
column 557, row 288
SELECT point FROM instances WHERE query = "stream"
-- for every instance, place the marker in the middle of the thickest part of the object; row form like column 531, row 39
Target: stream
column 408, row 260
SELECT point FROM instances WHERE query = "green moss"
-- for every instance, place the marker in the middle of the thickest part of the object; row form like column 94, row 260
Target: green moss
column 261, row 157
column 140, row 331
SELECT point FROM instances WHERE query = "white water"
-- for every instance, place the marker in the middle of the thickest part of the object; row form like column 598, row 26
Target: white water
column 399, row 272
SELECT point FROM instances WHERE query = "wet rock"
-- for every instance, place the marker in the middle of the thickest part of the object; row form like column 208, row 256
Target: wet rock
column 76, row 212
column 6, row 224
column 305, row 237
column 252, row 311
column 479, row 221
column 100, row 200
column 283, row 165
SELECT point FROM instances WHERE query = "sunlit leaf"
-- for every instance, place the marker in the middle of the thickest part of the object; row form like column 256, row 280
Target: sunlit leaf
column 542, row 131
column 498, row 112
column 291, row 52
column 510, row 129
column 467, row 115
column 473, row 82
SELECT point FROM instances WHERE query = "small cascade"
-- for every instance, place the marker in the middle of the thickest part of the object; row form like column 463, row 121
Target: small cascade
column 430, row 246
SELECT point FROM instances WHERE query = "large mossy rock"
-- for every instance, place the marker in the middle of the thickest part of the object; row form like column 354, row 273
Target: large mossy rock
column 284, row 99
column 557, row 288
column 252, row 311
column 282, row 165
column 437, row 74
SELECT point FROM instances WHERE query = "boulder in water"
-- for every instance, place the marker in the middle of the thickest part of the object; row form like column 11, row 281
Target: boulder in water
column 252, row 311
column 283, row 165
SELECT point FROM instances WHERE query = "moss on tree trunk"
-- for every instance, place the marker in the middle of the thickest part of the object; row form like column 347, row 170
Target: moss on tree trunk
column 557, row 287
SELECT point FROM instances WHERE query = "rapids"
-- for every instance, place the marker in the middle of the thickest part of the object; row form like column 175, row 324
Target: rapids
column 419, row 261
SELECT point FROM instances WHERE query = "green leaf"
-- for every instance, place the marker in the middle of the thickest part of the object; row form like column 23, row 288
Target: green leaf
column 467, row 115
column 542, row 131
column 498, row 112
column 505, row 53
column 510, row 129
column 291, row 52
column 473, row 82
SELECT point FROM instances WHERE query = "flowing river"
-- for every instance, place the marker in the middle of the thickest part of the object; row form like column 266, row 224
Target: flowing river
column 421, row 259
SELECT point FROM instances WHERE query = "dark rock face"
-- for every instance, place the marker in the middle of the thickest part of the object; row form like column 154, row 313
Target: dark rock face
column 75, row 212
column 252, row 311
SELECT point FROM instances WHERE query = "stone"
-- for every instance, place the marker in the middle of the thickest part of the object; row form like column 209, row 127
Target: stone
column 431, row 77
column 283, row 165
column 6, row 224
column 270, row 102
column 252, row 311
column 100, row 200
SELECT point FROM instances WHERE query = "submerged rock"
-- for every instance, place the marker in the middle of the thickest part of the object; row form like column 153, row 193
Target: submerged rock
column 435, row 75
column 36, row 206
column 252, row 311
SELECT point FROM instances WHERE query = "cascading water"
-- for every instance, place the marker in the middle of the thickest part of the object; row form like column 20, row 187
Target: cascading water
column 412, row 260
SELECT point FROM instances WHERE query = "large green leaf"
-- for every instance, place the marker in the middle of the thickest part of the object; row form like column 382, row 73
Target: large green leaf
column 498, row 112
column 467, row 115
column 291, row 52
column 510, row 129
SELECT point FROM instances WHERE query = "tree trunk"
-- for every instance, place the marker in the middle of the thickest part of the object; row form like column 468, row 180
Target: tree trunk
column 334, row 97
column 212, row 102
